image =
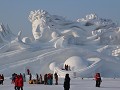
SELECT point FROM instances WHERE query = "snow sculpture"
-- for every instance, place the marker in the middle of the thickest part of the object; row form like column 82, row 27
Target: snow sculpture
column 88, row 48
column 105, row 29
column 88, row 18
column 46, row 27
column 39, row 28
column 54, row 35
column 7, row 39
column 75, row 62
column 5, row 34
column 67, row 37
column 52, row 66
column 26, row 40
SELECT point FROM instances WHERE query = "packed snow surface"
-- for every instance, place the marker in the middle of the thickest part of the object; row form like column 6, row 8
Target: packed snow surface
column 75, row 84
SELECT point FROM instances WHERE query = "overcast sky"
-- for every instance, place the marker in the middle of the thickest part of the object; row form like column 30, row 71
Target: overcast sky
column 15, row 12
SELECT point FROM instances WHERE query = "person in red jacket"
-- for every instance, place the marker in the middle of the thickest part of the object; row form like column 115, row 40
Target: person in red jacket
column 16, row 82
column 98, row 79
column 20, row 83
column 2, row 78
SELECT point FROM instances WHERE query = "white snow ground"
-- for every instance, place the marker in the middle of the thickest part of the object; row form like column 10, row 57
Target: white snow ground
column 76, row 84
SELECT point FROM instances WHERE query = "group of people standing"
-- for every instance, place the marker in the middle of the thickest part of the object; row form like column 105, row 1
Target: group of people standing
column 1, row 79
column 48, row 79
column 37, row 80
column 18, row 81
column 67, row 68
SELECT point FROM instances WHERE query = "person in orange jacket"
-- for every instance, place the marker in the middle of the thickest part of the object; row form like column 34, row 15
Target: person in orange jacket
column 98, row 79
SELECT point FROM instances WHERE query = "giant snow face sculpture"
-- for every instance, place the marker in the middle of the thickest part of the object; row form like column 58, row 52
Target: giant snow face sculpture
column 39, row 25
column 44, row 24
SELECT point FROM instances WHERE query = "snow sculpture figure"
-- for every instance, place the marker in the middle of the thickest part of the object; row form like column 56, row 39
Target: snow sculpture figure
column 75, row 62
column 26, row 40
column 89, row 47
column 46, row 27
column 7, row 39
column 54, row 35
column 39, row 25
column 5, row 34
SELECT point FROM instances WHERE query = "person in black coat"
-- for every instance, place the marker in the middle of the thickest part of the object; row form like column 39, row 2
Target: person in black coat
column 67, row 82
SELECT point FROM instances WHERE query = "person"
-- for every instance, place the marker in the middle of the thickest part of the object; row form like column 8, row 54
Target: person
column 67, row 67
column 98, row 79
column 30, row 76
column 2, row 79
column 24, row 77
column 51, row 81
column 56, row 78
column 20, row 82
column 49, row 78
column 16, row 82
column 45, row 79
column 13, row 77
column 41, row 81
column 37, row 78
column 28, row 71
column 67, row 82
